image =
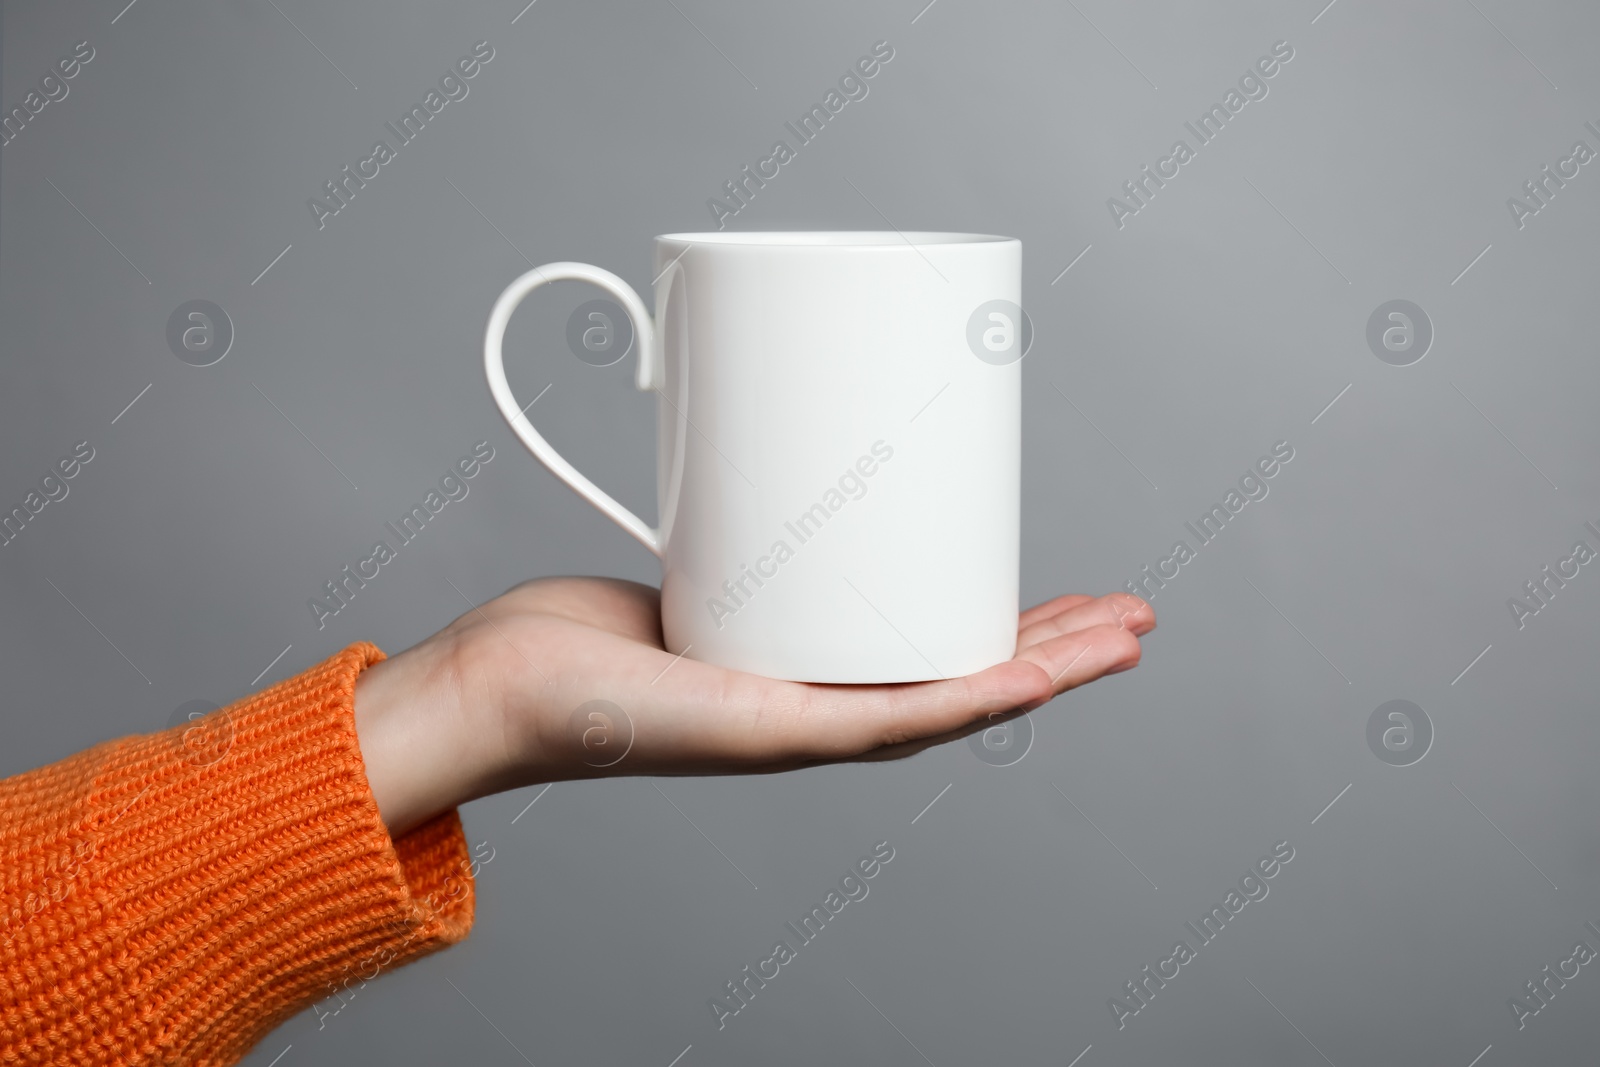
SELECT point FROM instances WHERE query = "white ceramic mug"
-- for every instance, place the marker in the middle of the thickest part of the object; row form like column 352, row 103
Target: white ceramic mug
column 839, row 447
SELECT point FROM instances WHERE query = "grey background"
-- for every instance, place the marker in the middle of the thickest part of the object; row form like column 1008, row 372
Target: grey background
column 1220, row 319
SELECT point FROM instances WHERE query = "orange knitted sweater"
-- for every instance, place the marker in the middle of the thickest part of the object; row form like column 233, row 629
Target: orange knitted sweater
column 171, row 897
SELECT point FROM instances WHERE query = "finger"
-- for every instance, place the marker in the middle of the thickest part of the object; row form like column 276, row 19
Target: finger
column 1118, row 609
column 1077, row 658
column 1086, row 650
column 838, row 722
column 1040, row 612
column 907, row 749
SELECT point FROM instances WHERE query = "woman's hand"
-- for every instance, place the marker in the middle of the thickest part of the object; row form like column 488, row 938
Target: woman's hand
column 567, row 678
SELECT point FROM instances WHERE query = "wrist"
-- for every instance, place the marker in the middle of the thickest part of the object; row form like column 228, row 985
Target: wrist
column 427, row 743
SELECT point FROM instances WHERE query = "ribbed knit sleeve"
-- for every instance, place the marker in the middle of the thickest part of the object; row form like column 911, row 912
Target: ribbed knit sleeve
column 169, row 898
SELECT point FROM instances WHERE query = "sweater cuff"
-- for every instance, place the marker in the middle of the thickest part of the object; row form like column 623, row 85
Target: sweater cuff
column 245, row 872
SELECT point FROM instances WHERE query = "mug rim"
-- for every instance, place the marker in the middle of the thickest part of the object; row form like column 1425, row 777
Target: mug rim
column 832, row 239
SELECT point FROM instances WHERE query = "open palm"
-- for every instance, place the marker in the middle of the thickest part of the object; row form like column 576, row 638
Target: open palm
column 564, row 678
column 559, row 645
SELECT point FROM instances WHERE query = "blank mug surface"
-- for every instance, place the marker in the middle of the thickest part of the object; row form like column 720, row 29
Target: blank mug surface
column 838, row 453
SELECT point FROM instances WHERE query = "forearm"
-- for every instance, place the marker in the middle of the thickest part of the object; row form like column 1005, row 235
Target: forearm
column 229, row 871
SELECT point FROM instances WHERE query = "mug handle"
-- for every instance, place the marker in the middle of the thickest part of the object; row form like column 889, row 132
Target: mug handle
column 648, row 379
